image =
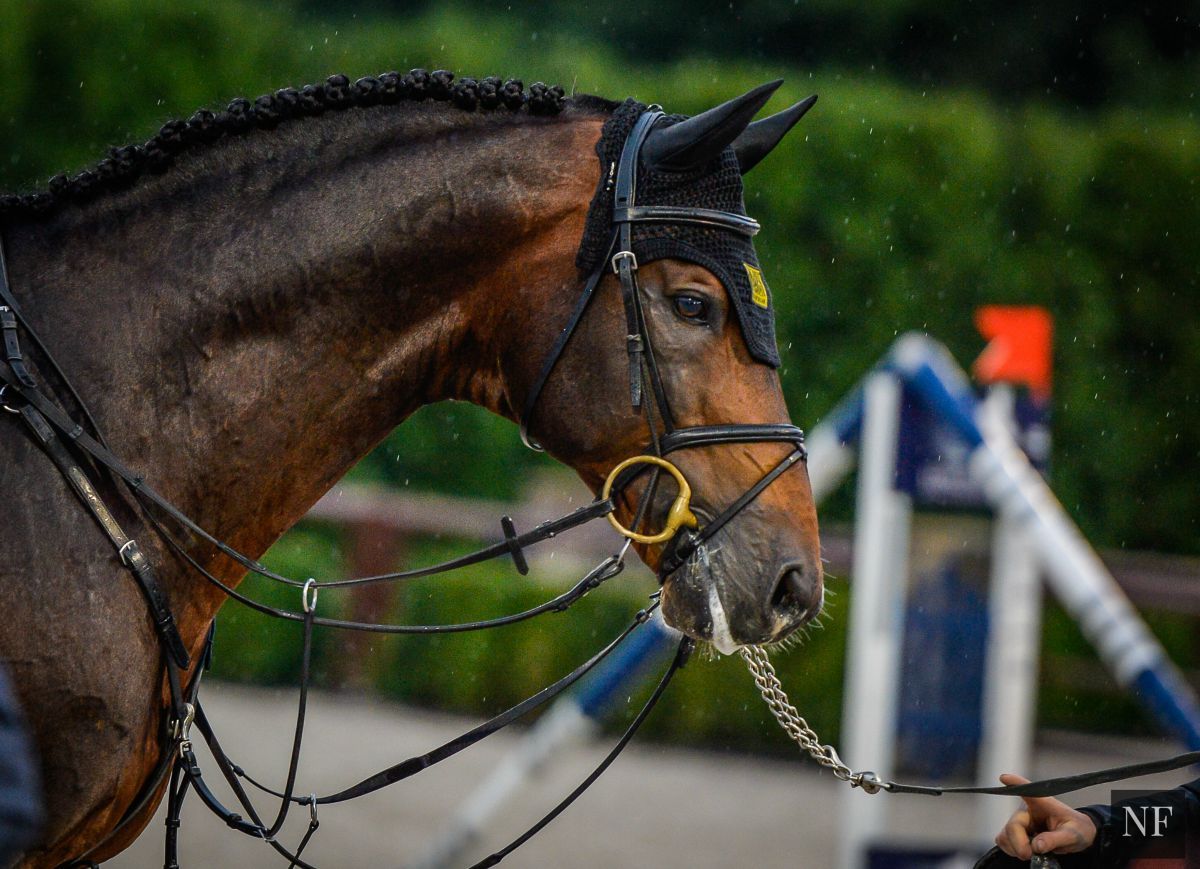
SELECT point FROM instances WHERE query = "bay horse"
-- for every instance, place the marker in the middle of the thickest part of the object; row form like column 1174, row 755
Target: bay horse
column 254, row 298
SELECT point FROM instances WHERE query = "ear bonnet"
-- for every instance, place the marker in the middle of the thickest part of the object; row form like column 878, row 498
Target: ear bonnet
column 715, row 184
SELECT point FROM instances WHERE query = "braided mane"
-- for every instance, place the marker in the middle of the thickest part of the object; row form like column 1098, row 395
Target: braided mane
column 124, row 165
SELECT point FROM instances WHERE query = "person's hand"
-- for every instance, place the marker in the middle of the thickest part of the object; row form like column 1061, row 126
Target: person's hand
column 1054, row 827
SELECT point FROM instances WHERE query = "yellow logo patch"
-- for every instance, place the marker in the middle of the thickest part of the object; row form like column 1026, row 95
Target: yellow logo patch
column 758, row 287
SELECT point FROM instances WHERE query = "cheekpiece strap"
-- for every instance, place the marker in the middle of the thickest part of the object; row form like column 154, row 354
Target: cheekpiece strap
column 624, row 262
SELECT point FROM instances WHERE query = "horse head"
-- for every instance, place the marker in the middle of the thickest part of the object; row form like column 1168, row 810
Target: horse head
column 671, row 275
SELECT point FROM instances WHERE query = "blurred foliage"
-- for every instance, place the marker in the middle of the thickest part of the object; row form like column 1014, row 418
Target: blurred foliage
column 1081, row 52
column 892, row 208
column 947, row 165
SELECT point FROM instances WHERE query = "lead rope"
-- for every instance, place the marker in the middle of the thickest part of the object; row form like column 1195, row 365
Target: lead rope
column 798, row 729
column 795, row 726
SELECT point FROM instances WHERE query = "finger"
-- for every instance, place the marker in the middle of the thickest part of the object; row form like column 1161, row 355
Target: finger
column 1040, row 806
column 1067, row 839
column 1018, row 840
column 1011, row 778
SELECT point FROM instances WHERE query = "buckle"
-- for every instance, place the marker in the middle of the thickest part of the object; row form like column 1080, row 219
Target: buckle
column 624, row 254
column 4, row 405
column 127, row 552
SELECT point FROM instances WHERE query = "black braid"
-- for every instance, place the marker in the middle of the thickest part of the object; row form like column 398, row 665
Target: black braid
column 123, row 166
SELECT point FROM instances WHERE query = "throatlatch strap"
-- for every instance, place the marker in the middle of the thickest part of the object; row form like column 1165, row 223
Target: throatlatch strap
column 556, row 351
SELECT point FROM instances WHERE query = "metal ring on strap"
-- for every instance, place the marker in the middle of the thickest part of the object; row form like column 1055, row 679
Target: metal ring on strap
column 4, row 405
column 679, row 516
column 308, row 595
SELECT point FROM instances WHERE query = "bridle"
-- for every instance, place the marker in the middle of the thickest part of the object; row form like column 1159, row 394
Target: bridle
column 82, row 456
column 643, row 368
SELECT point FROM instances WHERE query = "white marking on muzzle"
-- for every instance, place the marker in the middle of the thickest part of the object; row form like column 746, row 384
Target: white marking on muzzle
column 722, row 640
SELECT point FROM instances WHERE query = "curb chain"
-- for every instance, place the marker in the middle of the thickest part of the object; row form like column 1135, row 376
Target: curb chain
column 796, row 727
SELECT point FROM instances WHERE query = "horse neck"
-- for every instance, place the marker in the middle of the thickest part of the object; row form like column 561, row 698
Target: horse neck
column 243, row 350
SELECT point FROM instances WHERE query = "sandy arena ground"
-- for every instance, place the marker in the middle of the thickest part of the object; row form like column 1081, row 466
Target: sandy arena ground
column 655, row 807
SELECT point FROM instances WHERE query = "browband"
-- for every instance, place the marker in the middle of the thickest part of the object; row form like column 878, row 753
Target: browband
column 739, row 223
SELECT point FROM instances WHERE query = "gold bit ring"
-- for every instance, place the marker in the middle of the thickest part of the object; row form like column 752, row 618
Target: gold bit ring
column 680, row 515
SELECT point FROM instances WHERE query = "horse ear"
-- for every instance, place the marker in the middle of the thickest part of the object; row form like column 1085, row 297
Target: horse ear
column 761, row 137
column 699, row 139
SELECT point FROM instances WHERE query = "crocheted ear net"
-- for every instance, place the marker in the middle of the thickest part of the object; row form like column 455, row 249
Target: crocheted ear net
column 727, row 254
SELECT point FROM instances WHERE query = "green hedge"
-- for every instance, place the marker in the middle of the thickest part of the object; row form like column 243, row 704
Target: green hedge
column 713, row 703
column 891, row 209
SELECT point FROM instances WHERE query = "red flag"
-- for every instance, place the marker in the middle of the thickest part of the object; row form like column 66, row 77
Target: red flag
column 1019, row 347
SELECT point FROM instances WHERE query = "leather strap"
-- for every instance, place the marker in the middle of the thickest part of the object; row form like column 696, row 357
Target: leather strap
column 738, row 223
column 556, row 352
column 166, row 764
column 255, row 826
column 127, row 549
column 12, row 347
column 682, row 654
column 624, row 262
column 1053, row 787
column 413, row 765
column 732, row 433
column 8, row 324
column 514, row 545
column 65, row 425
column 7, row 300
column 687, row 542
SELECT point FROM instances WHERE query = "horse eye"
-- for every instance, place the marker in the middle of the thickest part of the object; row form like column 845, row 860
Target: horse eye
column 691, row 307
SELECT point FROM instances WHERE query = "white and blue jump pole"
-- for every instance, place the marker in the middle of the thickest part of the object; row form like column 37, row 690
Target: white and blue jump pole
column 1033, row 534
column 1073, row 569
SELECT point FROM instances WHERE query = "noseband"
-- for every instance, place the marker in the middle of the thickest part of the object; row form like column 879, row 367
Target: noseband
column 685, row 536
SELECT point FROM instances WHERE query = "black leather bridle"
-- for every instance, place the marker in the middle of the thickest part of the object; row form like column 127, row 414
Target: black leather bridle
column 643, row 367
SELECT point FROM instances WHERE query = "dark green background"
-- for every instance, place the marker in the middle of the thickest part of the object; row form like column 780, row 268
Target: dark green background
column 961, row 154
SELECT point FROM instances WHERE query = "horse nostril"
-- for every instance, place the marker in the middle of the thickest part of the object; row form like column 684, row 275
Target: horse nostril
column 790, row 597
